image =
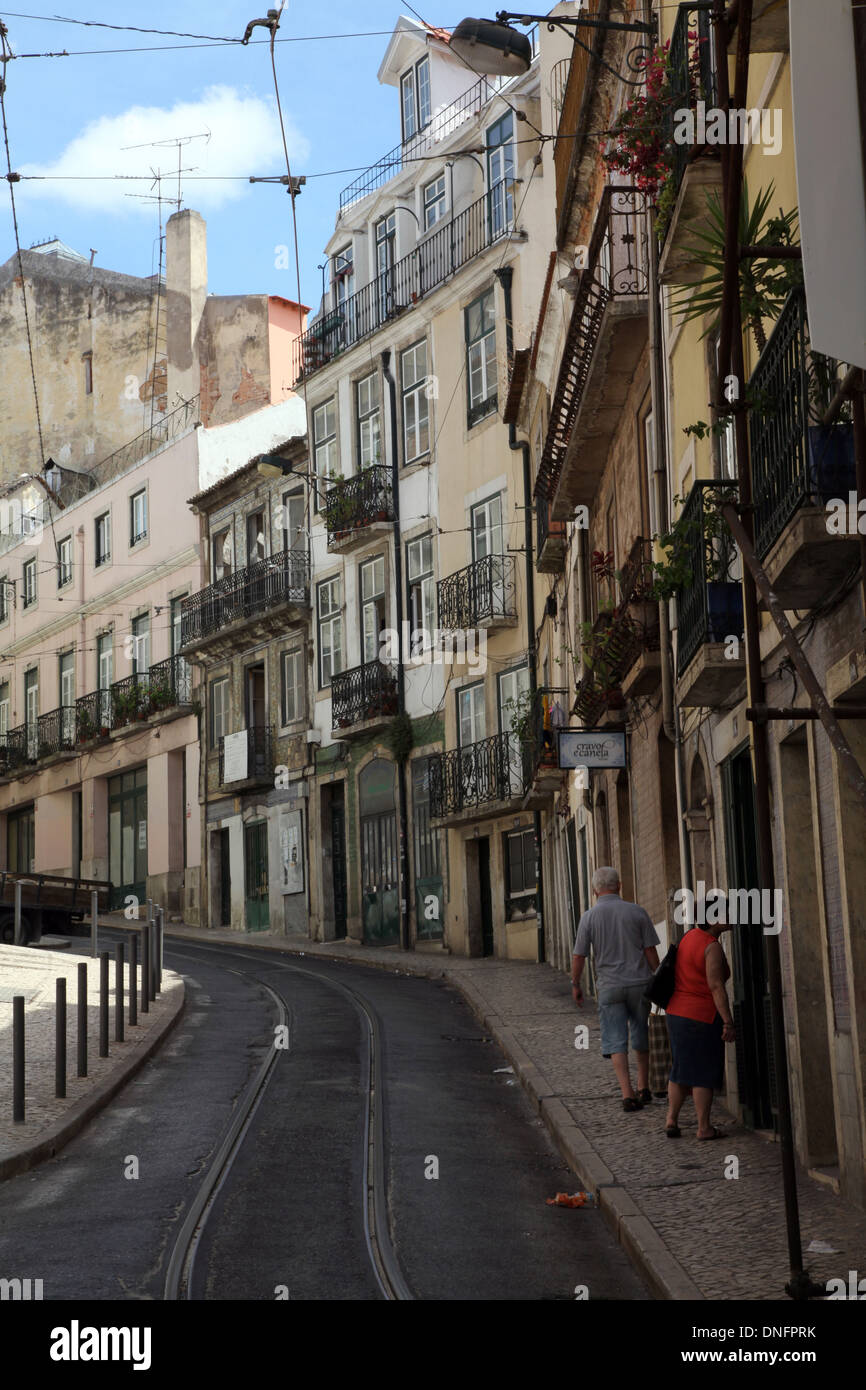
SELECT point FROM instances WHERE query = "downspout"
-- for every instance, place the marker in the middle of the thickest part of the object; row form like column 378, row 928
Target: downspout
column 505, row 277
column 670, row 713
column 401, row 682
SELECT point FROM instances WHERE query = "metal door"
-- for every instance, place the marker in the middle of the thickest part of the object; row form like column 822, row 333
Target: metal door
column 379, row 872
column 256, row 876
column 127, row 836
column 338, row 866
column 225, row 879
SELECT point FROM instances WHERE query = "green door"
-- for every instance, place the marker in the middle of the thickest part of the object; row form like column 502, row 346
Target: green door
column 127, row 836
column 380, row 905
column 256, row 875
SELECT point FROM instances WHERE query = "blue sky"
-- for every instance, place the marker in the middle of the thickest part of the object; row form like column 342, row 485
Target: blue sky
column 74, row 115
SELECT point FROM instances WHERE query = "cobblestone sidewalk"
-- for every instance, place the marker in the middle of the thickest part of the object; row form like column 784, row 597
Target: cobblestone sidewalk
column 694, row 1232
column 49, row 1122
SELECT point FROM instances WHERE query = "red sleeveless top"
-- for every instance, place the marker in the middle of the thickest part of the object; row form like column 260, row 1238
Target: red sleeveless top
column 692, row 997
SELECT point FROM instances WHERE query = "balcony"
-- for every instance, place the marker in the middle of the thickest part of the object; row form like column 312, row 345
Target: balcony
column 246, row 758
column 362, row 700
column 164, row 688
column 482, row 595
column 606, row 336
column 551, row 539
column 358, row 506
column 644, row 675
column 542, row 777
column 484, row 779
column 710, row 609
column 798, row 465
column 253, row 604
column 435, row 259
column 697, row 170
column 615, row 645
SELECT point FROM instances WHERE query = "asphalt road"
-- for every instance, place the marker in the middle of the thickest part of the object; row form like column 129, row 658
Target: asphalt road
column 468, row 1165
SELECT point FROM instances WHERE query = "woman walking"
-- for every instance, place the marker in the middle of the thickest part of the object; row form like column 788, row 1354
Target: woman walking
column 699, row 1024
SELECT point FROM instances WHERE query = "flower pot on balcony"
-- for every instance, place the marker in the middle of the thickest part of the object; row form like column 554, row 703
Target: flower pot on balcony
column 832, row 468
column 724, row 610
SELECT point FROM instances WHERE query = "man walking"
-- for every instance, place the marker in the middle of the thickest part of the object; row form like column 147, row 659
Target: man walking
column 623, row 941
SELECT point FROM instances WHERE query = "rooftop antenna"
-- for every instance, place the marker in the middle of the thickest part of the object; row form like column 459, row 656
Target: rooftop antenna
column 179, row 141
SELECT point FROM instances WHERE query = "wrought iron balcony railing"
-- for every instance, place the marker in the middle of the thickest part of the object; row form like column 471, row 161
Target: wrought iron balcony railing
column 480, row 774
column 693, row 75
column 617, row 268
column 795, row 459
column 357, row 502
column 258, row 764
column 710, row 609
column 480, row 594
column 249, row 592
column 547, row 714
column 433, row 261
column 365, row 692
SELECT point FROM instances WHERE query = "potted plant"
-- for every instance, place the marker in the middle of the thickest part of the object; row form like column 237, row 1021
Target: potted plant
column 832, row 463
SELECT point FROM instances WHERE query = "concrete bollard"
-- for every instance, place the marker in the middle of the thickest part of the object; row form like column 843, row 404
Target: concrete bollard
column 118, row 992
column 18, row 1059
column 60, row 1038
column 103, row 1003
column 82, row 1018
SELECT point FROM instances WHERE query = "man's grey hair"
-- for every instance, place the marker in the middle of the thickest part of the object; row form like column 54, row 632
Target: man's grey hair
column 605, row 880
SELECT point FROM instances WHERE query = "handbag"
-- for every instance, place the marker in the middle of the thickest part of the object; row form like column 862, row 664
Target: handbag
column 660, row 1055
column 661, row 987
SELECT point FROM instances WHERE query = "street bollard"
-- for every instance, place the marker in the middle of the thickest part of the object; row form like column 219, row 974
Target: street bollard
column 18, row 1059
column 17, row 936
column 133, row 979
column 145, row 968
column 103, row 1003
column 82, row 1018
column 94, row 920
column 60, row 1038
column 118, row 992
column 160, row 921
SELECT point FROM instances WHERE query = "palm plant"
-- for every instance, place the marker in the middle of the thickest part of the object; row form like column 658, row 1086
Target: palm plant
column 765, row 283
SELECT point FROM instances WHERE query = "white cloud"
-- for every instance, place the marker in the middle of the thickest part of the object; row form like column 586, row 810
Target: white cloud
column 244, row 139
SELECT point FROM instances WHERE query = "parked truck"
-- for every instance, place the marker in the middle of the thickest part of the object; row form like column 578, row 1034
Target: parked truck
column 51, row 905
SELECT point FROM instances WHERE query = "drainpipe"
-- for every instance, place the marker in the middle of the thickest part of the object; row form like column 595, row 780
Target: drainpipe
column 401, row 682
column 505, row 277
column 670, row 713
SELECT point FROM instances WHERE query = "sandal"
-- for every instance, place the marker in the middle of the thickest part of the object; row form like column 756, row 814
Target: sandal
column 716, row 1134
column 673, row 1131
column 645, row 1096
column 631, row 1104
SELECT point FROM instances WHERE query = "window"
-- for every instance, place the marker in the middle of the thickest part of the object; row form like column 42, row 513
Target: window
column 325, row 440
column 141, row 644
column 103, row 538
column 500, row 175
column 31, row 711
column 29, row 583
column 219, row 710
column 416, row 406
column 434, row 202
column 372, row 606
column 330, row 618
column 104, row 660
column 367, row 403
column 4, row 713
column 4, row 598
column 87, row 358
column 487, row 528
column 415, row 98
column 422, row 592
column 138, row 517
column 386, row 241
column 256, row 540
column 221, row 554
column 293, row 702
column 471, row 715
column 480, row 329
column 294, row 530
column 343, row 275
column 520, row 890
column 64, row 562
column 175, row 619
column 66, row 686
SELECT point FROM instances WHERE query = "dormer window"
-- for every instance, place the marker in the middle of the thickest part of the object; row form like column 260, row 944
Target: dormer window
column 415, row 98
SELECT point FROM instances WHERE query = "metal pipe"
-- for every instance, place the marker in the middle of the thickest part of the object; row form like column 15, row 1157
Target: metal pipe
column 133, row 979
column 145, row 968
column 103, row 1004
column 118, row 992
column 18, row 1059
column 94, row 920
column 17, row 935
column 81, row 1069
column 60, row 1037
column 401, row 683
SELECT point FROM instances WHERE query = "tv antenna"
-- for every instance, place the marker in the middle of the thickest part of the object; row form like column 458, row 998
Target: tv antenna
column 180, row 141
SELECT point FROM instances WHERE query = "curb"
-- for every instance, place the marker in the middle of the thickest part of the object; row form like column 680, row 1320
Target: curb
column 29, row 1155
column 663, row 1273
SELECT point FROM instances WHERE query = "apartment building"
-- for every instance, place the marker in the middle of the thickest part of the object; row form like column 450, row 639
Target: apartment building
column 420, row 621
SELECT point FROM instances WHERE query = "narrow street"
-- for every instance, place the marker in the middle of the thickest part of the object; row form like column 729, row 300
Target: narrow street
column 289, row 1211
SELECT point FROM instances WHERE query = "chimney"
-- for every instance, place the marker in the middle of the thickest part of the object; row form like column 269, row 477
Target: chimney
column 186, row 294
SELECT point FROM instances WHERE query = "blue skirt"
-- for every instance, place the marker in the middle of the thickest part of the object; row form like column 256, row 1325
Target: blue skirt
column 698, row 1052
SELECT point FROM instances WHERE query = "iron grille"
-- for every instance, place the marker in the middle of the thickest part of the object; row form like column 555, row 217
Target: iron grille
column 477, row 775
column 480, row 593
column 711, row 607
column 355, row 503
column 365, row 692
column 692, row 75
column 281, row 578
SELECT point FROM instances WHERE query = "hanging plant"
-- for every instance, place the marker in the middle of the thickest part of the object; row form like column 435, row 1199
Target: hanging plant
column 401, row 737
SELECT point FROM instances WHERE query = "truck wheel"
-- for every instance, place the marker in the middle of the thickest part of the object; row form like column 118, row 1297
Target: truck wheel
column 7, row 929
